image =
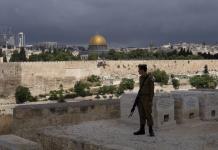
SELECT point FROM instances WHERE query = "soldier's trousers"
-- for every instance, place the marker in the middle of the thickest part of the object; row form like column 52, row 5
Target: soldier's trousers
column 145, row 113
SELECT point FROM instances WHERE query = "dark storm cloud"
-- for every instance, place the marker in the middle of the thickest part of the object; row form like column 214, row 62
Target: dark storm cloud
column 123, row 22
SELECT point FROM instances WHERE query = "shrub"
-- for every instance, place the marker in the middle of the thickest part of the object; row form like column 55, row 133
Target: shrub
column 71, row 89
column 172, row 76
column 206, row 70
column 70, row 95
column 81, row 88
column 111, row 89
column 42, row 95
column 119, row 91
column 93, row 78
column 175, row 83
column 161, row 76
column 57, row 95
column 23, row 94
column 53, row 95
column 60, row 94
column 203, row 81
column 127, row 84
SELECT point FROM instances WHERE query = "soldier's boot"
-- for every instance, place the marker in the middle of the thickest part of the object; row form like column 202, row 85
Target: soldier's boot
column 141, row 131
column 151, row 132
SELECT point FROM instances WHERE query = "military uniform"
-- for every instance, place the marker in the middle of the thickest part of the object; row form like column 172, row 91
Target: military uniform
column 145, row 99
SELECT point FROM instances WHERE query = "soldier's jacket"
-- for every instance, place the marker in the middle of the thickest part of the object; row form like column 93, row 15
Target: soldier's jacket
column 147, row 91
column 145, row 100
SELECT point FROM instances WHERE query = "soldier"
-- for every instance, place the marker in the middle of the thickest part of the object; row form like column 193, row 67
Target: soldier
column 144, row 100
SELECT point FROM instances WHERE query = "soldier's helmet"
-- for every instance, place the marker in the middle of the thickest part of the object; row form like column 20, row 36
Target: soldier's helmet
column 142, row 67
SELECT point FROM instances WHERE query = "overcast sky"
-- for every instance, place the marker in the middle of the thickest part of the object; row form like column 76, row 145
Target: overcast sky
column 122, row 22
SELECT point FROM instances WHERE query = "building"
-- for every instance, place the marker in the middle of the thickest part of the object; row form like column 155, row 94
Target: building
column 7, row 41
column 98, row 45
column 21, row 39
column 47, row 45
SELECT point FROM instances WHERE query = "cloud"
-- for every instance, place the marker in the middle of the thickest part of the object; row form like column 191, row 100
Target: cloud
column 123, row 22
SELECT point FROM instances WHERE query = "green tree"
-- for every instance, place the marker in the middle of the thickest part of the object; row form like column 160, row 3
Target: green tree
column 56, row 55
column 18, row 56
column 60, row 93
column 127, row 84
column 23, row 94
column 203, row 81
column 22, row 54
column 93, row 56
column 81, row 88
column 15, row 57
column 206, row 69
column 1, row 53
column 111, row 89
column 175, row 83
column 161, row 76
column 53, row 95
column 93, row 78
column 119, row 91
column 4, row 58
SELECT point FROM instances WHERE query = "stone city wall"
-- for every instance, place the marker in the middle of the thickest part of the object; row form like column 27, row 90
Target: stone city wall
column 28, row 118
column 42, row 77
column 183, row 67
column 10, row 78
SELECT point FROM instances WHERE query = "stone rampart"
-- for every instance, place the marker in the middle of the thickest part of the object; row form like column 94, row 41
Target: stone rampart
column 42, row 77
column 10, row 78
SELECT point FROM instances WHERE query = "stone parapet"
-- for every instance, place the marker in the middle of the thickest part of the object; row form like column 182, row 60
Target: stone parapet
column 186, row 105
column 163, row 110
column 28, row 118
column 208, row 101
column 12, row 142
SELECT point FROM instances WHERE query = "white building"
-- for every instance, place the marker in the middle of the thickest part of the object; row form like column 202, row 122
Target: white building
column 21, row 39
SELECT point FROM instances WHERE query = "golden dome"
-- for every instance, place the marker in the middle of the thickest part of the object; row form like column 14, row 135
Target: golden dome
column 98, row 40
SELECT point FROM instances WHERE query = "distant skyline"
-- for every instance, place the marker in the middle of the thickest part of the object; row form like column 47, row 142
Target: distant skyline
column 123, row 22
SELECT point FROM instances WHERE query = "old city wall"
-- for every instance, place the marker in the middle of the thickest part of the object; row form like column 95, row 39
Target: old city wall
column 42, row 77
column 10, row 78
column 182, row 67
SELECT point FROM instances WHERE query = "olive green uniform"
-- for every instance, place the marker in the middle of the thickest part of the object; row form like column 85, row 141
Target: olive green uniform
column 145, row 100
